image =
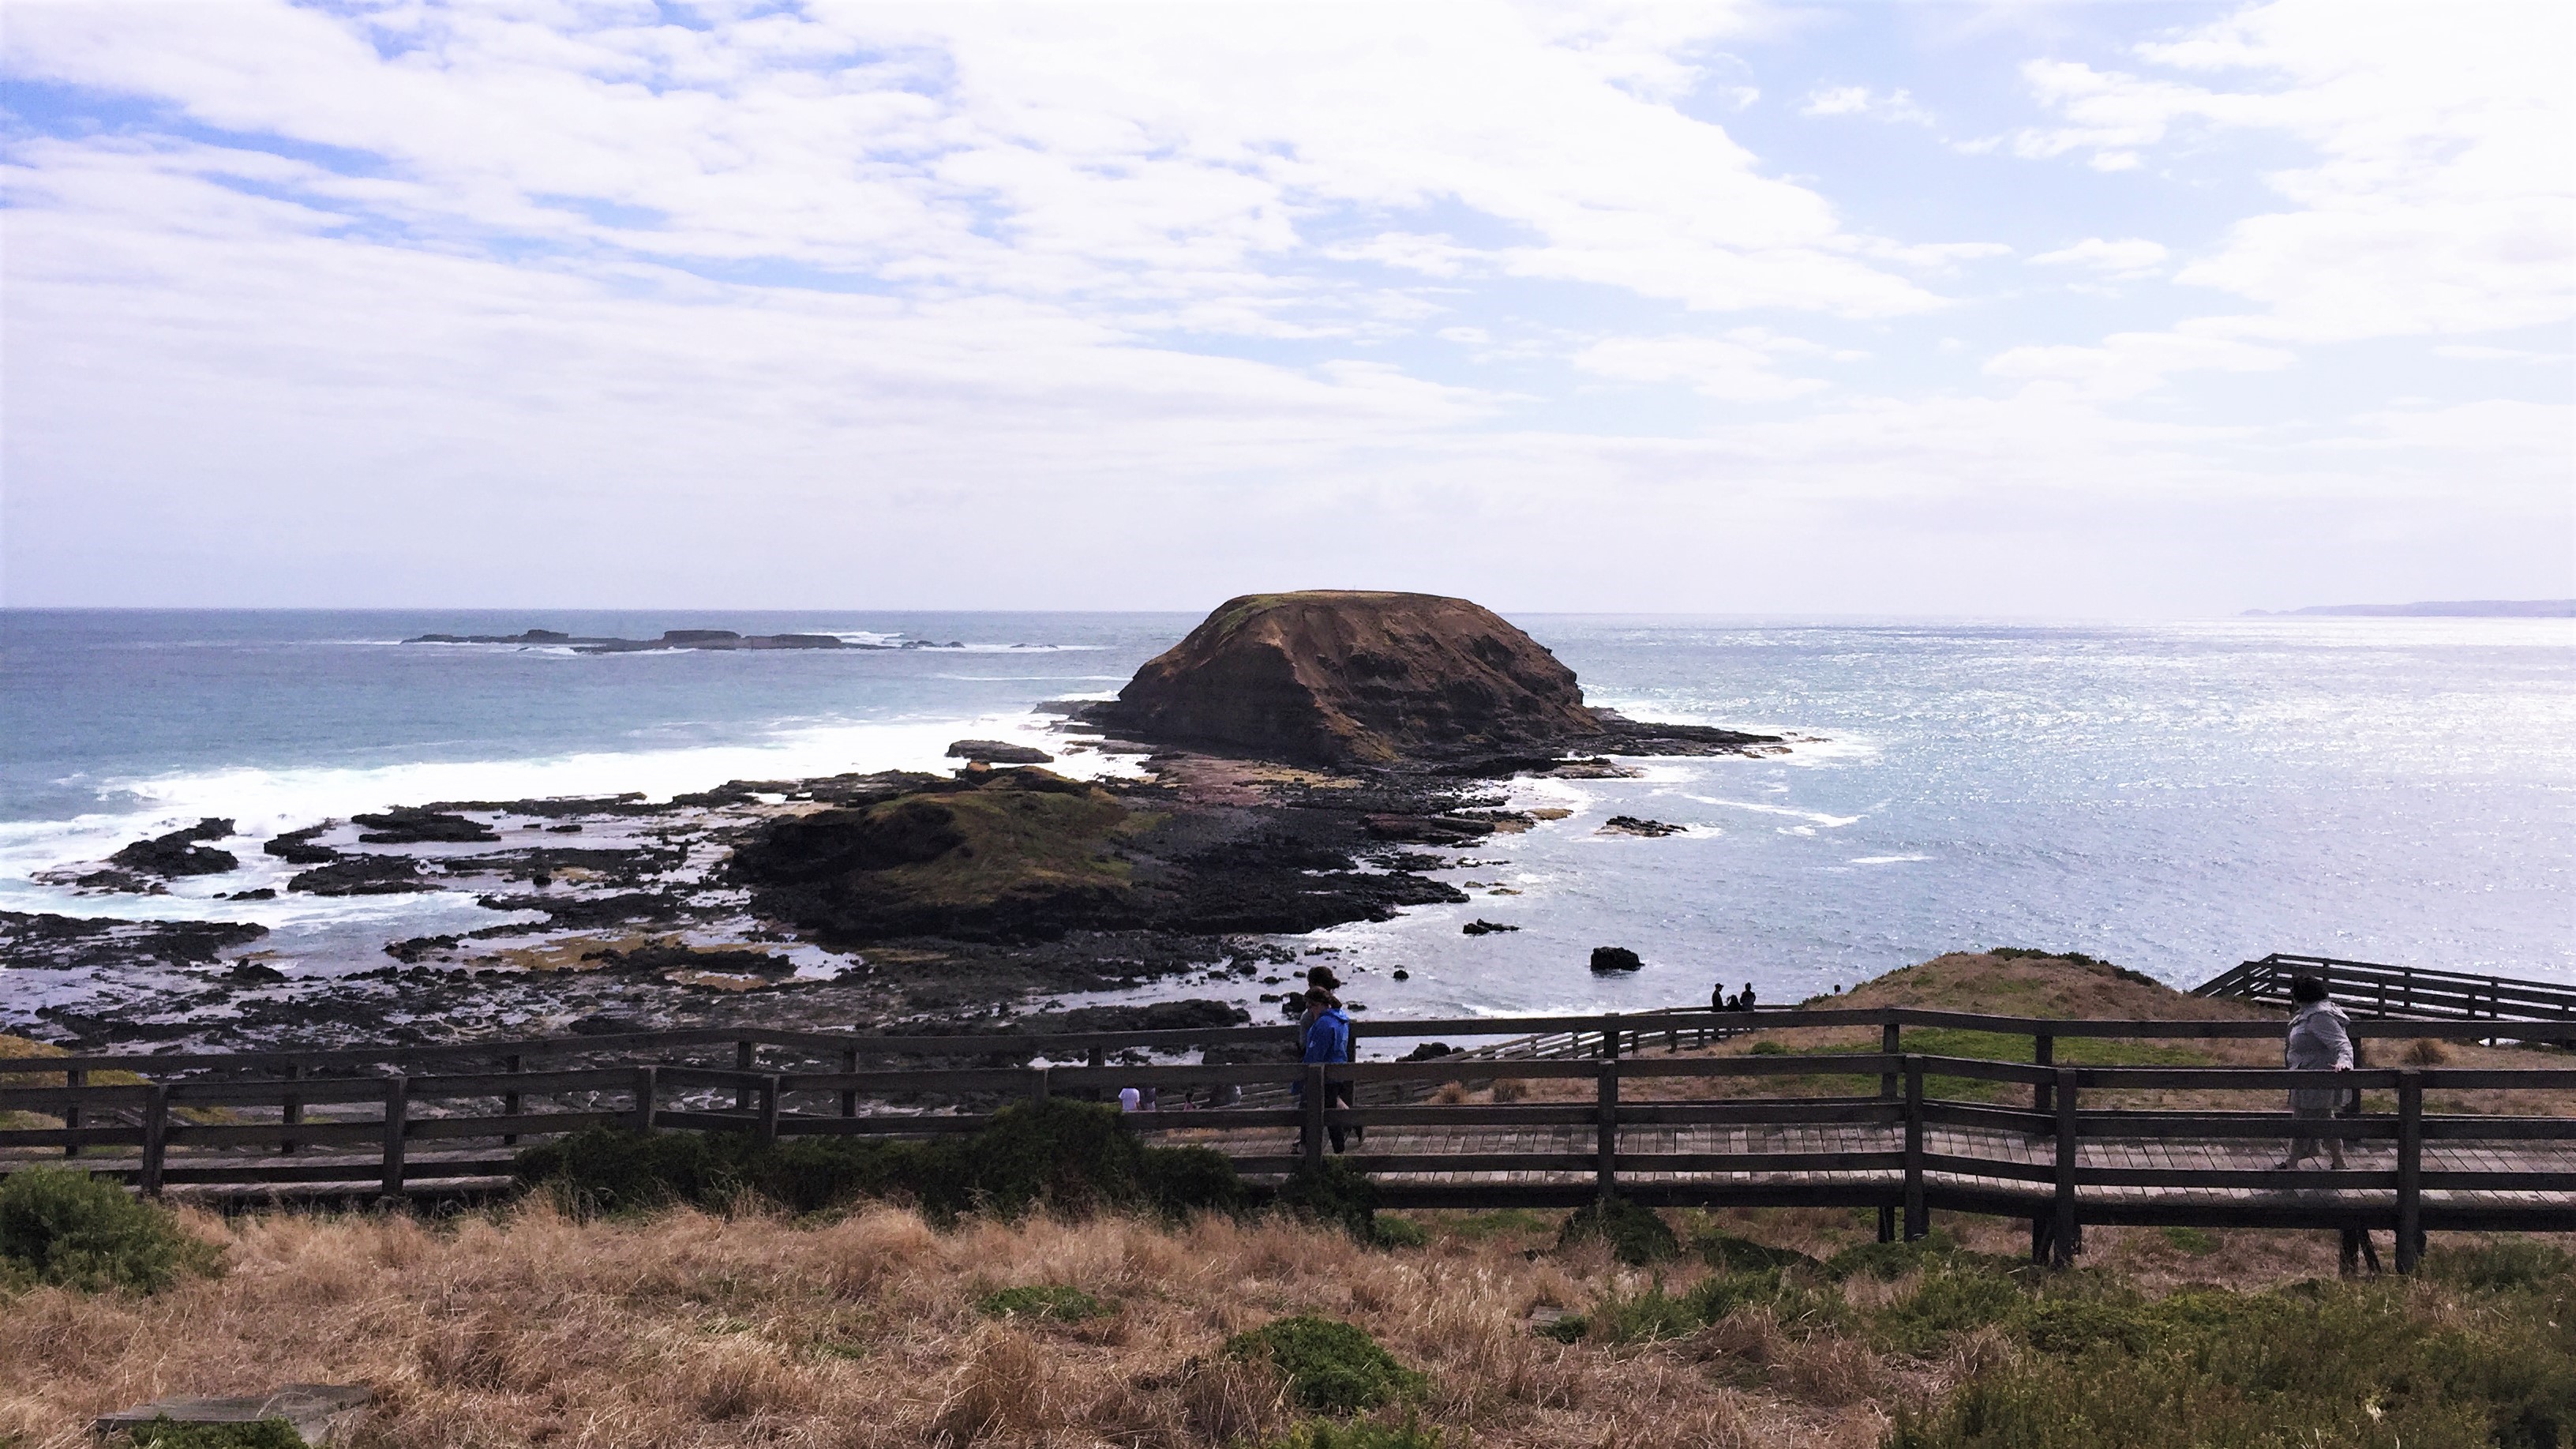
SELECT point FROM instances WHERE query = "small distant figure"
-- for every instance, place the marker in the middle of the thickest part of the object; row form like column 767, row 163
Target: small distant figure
column 1130, row 1100
column 1744, row 1002
column 2319, row 1040
column 1718, row 1000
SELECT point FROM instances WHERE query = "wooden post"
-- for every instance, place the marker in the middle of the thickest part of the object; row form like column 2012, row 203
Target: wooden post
column 2043, row 1098
column 397, row 1101
column 2407, row 978
column 1605, row 1117
column 746, row 1055
column 1099, row 1058
column 156, row 1136
column 76, row 1078
column 511, row 1102
column 1610, row 1037
column 850, row 1095
column 648, row 1091
column 767, row 1132
column 291, row 1112
column 2061, row 1246
column 1917, row 1220
column 2410, row 1167
column 1889, row 1039
column 1310, row 1127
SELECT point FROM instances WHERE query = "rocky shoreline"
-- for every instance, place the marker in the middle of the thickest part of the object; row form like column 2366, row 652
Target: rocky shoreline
column 890, row 899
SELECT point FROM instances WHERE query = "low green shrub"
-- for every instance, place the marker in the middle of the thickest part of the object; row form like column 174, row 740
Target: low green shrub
column 1398, row 1233
column 1947, row 1299
column 2327, row 1363
column 60, row 1225
column 2199, row 1242
column 1332, row 1192
column 1331, row 1367
column 1637, row 1235
column 1796, row 1299
column 1725, row 1251
column 1067, row 1154
column 1044, row 1300
column 1364, row 1434
column 165, row 1432
column 2502, row 1265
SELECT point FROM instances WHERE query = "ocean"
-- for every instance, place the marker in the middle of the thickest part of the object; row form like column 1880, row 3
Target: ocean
column 2173, row 797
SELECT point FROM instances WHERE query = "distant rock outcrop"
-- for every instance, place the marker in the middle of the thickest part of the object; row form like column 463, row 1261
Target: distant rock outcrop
column 1335, row 677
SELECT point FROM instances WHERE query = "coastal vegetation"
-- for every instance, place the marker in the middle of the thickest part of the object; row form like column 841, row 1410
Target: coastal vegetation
column 875, row 1325
column 1053, row 1281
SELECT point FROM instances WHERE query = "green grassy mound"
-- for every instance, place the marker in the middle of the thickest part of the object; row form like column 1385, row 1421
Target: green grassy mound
column 1070, row 1155
column 1636, row 1235
column 1331, row 1367
column 61, row 1226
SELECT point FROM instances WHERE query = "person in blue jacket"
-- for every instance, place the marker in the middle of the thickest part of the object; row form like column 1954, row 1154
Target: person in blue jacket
column 1327, row 1040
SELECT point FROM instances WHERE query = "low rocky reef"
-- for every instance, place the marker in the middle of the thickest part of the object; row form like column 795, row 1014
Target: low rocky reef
column 673, row 639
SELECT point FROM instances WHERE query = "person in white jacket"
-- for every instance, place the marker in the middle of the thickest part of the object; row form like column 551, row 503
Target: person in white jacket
column 2319, row 1040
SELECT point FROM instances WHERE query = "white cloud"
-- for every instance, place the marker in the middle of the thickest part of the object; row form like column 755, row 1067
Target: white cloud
column 2443, row 173
column 2128, row 364
column 2128, row 257
column 1894, row 105
column 1730, row 371
column 1129, row 157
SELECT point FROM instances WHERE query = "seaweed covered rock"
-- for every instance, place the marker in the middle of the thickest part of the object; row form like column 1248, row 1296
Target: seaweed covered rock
column 1021, row 854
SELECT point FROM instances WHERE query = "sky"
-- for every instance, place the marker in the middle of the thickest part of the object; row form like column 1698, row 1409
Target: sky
column 2095, row 310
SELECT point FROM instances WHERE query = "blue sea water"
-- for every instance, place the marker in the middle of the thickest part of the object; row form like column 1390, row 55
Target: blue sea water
column 2174, row 797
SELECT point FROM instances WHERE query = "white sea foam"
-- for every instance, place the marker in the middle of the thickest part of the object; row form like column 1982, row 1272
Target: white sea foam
column 1886, row 859
column 1812, row 817
column 264, row 802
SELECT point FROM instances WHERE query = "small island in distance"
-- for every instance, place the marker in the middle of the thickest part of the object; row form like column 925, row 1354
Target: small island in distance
column 2438, row 609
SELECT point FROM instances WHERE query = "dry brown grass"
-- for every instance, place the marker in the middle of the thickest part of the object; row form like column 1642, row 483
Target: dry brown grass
column 528, row 1328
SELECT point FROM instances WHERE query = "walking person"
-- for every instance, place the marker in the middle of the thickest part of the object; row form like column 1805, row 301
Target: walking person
column 1342, row 1093
column 1328, row 1041
column 2319, row 1040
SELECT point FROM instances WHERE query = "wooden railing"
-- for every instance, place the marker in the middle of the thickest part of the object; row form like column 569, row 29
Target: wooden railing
column 2367, row 988
column 418, row 1122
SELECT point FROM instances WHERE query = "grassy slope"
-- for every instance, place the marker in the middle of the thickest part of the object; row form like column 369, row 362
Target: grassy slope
column 862, row 1329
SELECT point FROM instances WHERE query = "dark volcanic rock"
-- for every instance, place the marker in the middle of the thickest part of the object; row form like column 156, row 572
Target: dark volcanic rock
column 1484, row 928
column 671, row 639
column 361, row 875
column 296, row 847
column 1339, row 677
column 410, row 825
column 177, row 853
column 1632, row 825
column 46, row 942
column 1342, row 678
column 1615, row 958
column 996, row 752
column 1193, row 1014
column 1027, row 856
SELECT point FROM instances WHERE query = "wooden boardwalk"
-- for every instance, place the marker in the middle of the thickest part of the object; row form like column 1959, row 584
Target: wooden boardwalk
column 2071, row 1146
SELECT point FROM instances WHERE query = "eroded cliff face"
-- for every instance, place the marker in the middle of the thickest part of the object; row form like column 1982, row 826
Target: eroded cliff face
column 1340, row 677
